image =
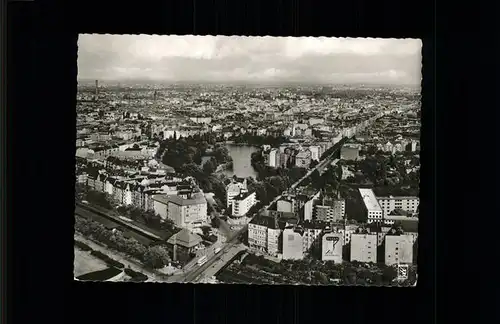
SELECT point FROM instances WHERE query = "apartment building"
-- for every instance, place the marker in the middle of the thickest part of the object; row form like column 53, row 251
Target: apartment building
column 274, row 158
column 264, row 231
column 188, row 213
column 398, row 249
column 160, row 205
column 311, row 238
column 315, row 152
column 364, row 248
column 303, row 159
column 347, row 231
column 330, row 210
column 235, row 188
column 242, row 203
column 286, row 205
column 389, row 204
column 293, row 246
column 331, row 247
column 373, row 211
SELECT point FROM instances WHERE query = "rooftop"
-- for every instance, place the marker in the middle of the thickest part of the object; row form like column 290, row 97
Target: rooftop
column 398, row 197
column 185, row 238
column 243, row 195
column 369, row 199
column 194, row 200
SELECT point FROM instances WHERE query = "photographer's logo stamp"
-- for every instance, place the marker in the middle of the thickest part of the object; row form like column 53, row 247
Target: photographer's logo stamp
column 402, row 271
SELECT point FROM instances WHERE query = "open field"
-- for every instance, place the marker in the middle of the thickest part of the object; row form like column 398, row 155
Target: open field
column 85, row 263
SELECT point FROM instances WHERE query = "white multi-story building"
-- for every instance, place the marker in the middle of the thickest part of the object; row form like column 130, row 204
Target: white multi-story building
column 309, row 207
column 364, row 247
column 373, row 211
column 398, row 249
column 388, row 204
column 188, row 213
column 413, row 146
column 160, row 205
column 274, row 156
column 293, row 246
column 242, row 203
column 315, row 152
column 234, row 189
column 331, row 247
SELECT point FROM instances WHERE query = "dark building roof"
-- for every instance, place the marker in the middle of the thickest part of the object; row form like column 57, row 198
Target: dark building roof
column 185, row 238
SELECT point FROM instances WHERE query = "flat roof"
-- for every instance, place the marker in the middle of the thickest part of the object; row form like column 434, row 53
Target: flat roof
column 369, row 199
column 398, row 198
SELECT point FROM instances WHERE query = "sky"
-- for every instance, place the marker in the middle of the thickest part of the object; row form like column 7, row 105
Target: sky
column 249, row 59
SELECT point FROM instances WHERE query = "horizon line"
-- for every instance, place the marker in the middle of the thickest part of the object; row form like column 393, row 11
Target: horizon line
column 239, row 82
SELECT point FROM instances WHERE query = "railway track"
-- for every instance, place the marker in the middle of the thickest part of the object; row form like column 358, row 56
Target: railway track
column 85, row 211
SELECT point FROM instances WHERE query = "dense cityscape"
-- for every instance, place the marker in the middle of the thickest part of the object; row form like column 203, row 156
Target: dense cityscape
column 225, row 183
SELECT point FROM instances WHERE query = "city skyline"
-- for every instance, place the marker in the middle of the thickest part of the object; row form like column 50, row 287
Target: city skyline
column 238, row 59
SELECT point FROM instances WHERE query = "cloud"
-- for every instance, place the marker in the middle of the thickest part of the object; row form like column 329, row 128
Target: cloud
column 222, row 58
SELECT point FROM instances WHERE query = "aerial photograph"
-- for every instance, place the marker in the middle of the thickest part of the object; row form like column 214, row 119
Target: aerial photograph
column 247, row 160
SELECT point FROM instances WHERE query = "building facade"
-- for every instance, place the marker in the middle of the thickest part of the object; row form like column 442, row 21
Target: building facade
column 331, row 247
column 293, row 247
column 389, row 204
column 398, row 249
column 364, row 248
column 187, row 213
column 242, row 203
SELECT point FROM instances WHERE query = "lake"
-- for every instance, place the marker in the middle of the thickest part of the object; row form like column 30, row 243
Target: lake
column 241, row 155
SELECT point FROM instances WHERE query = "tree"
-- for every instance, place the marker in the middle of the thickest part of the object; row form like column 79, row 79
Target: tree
column 317, row 180
column 389, row 274
column 156, row 257
column 313, row 164
column 210, row 166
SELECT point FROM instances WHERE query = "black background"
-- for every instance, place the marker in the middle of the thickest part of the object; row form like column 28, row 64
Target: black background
column 458, row 173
